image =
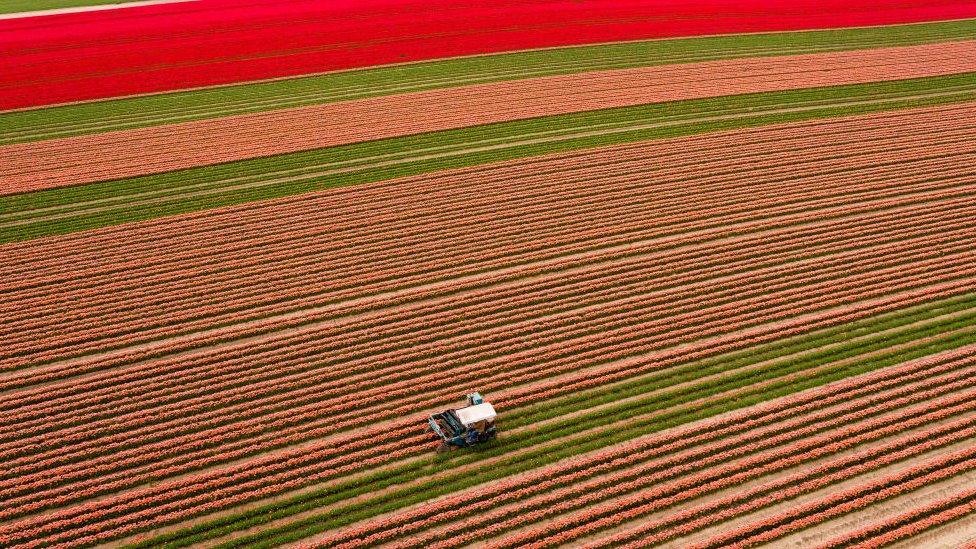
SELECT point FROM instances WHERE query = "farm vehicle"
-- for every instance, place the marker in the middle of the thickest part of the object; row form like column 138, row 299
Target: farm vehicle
column 464, row 427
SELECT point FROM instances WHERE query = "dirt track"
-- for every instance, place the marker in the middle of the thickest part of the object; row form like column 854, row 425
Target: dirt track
column 78, row 160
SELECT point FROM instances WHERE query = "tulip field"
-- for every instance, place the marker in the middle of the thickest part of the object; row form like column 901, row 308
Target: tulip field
column 716, row 272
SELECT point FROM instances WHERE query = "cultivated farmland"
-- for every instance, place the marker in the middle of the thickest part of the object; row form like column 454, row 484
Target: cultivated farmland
column 717, row 300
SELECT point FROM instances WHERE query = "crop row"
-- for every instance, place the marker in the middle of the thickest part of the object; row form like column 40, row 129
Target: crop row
column 207, row 495
column 909, row 524
column 860, row 496
column 113, row 378
column 340, row 274
column 745, row 438
column 166, row 240
column 360, row 438
column 225, row 276
column 313, row 432
column 627, row 428
column 493, row 308
column 616, row 306
column 702, row 482
column 129, row 434
column 482, row 261
column 402, row 84
column 669, row 411
column 605, row 257
column 525, row 91
column 164, row 108
column 136, row 152
column 118, row 201
column 316, row 394
column 38, row 376
column 411, row 218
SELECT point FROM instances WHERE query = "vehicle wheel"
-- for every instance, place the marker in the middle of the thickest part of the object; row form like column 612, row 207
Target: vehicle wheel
column 443, row 447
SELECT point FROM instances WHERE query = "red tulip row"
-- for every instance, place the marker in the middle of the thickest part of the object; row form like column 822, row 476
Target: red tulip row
column 347, row 91
column 129, row 153
column 514, row 93
column 470, row 512
column 96, row 338
column 657, row 498
column 911, row 523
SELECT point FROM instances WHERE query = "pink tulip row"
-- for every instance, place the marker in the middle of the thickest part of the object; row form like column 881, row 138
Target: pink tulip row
column 65, row 438
column 140, row 151
column 703, row 482
column 745, row 335
column 871, row 385
column 332, row 418
column 54, row 402
column 686, row 522
column 507, row 508
column 32, row 493
column 911, row 523
column 39, row 376
column 666, row 152
column 716, row 511
column 107, row 318
column 594, row 188
column 596, row 276
column 849, row 500
column 380, row 230
column 440, row 187
column 15, row 349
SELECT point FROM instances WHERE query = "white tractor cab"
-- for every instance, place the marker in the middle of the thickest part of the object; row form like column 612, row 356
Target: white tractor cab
column 464, row 427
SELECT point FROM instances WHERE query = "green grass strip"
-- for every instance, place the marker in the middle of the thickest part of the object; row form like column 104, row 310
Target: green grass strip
column 835, row 336
column 255, row 97
column 20, row 6
column 125, row 200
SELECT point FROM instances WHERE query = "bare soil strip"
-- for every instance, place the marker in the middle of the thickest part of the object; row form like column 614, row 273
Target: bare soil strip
column 73, row 161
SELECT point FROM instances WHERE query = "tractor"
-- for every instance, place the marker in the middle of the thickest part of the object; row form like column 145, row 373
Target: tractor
column 464, row 427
